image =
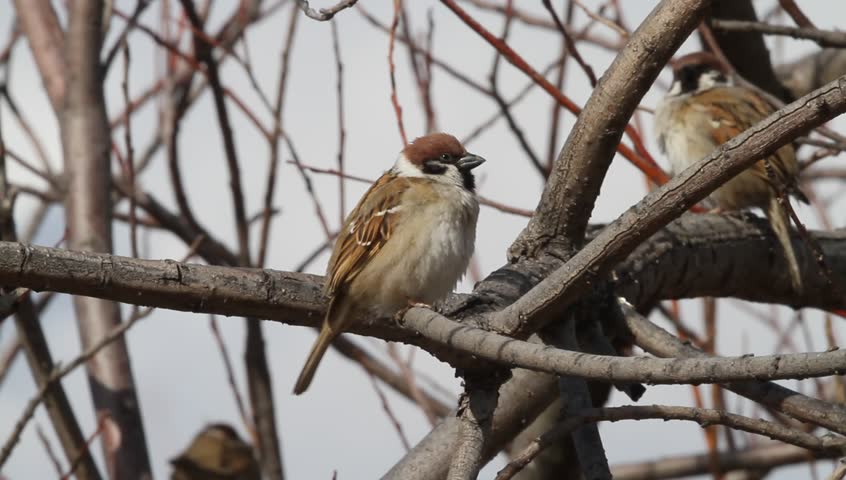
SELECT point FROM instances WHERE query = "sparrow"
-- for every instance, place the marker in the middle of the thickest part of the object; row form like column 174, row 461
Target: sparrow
column 704, row 109
column 407, row 242
column 216, row 453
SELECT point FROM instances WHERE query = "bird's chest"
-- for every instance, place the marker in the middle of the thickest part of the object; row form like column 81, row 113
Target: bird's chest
column 439, row 256
column 686, row 133
column 430, row 250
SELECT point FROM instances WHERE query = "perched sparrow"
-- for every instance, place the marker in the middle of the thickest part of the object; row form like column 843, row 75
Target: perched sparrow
column 703, row 110
column 408, row 240
column 216, row 453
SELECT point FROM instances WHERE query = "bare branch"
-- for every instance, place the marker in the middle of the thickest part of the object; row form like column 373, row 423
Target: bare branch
column 671, row 200
column 86, row 144
column 325, row 13
column 824, row 38
column 703, row 417
column 579, row 171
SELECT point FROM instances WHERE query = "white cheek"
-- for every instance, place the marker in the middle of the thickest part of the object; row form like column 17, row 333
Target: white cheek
column 675, row 89
column 404, row 168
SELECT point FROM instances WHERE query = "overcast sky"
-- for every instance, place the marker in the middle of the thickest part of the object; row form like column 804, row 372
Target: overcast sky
column 340, row 424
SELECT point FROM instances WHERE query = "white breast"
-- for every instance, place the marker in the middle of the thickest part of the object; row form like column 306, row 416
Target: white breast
column 423, row 263
column 681, row 134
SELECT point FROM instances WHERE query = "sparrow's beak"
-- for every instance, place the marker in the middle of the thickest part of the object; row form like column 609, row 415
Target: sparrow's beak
column 469, row 162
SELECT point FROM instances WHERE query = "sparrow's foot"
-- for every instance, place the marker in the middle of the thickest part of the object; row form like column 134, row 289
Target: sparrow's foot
column 414, row 304
column 398, row 317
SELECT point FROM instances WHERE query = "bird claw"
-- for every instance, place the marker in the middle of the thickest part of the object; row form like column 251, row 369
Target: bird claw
column 413, row 304
column 400, row 315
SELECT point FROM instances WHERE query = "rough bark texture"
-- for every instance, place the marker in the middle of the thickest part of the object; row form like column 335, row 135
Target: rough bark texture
column 86, row 144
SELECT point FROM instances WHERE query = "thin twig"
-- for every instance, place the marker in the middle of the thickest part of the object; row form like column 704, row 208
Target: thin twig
column 571, row 45
column 796, row 13
column 59, row 373
column 130, row 155
column 342, row 133
column 230, row 378
column 386, row 407
column 204, row 53
column 392, row 68
column 823, row 38
column 702, row 416
column 48, row 448
column 640, row 158
column 273, row 164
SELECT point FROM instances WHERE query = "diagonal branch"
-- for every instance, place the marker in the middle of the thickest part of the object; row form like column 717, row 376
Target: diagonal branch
column 579, row 170
column 564, row 286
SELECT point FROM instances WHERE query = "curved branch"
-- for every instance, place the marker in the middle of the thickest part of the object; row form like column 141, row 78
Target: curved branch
column 547, row 299
column 579, row 170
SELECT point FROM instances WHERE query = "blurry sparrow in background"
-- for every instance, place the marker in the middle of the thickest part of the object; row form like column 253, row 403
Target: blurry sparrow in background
column 703, row 110
column 408, row 240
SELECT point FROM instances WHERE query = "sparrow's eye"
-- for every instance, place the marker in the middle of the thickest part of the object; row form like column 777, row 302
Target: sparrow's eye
column 446, row 157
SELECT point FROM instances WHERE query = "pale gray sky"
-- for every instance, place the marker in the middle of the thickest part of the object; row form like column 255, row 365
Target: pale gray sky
column 339, row 424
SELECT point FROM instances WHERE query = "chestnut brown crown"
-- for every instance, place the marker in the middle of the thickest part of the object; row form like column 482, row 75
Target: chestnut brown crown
column 433, row 146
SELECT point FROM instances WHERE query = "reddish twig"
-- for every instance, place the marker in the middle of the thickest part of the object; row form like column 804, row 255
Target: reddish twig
column 101, row 426
column 641, row 158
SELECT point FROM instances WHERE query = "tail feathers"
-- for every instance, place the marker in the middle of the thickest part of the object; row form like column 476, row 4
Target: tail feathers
column 335, row 322
column 327, row 334
column 781, row 226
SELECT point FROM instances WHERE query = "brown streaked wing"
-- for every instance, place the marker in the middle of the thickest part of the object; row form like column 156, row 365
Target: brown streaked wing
column 365, row 231
column 748, row 110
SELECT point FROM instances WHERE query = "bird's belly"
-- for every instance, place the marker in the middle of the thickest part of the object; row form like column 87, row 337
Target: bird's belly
column 685, row 148
column 425, row 269
column 745, row 190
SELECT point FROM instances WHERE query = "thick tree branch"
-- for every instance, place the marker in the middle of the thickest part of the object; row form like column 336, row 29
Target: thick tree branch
column 86, row 144
column 228, row 291
column 46, row 39
column 547, row 299
column 579, row 170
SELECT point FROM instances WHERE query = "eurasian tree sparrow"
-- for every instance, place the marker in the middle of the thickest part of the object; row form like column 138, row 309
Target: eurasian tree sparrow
column 408, row 240
column 703, row 110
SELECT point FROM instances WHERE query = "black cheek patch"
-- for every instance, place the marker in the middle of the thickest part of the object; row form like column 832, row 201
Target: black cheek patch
column 433, row 167
column 469, row 181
